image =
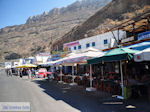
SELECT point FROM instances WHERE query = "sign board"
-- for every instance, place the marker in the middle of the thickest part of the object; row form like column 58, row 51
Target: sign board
column 42, row 57
column 144, row 35
column 71, row 44
column 127, row 39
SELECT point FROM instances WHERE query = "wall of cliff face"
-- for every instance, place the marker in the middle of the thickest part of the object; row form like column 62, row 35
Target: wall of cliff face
column 40, row 31
column 115, row 13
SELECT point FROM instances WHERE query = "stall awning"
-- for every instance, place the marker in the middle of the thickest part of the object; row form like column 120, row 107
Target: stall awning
column 27, row 66
column 114, row 55
column 82, row 57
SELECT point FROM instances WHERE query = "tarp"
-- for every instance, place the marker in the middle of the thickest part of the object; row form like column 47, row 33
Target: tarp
column 143, row 55
column 114, row 55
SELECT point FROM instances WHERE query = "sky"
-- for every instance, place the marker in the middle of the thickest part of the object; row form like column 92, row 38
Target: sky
column 16, row 12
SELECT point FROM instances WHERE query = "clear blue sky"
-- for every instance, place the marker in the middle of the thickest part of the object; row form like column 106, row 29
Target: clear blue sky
column 15, row 12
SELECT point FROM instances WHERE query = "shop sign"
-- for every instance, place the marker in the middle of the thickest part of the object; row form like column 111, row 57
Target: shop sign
column 144, row 35
column 127, row 39
column 71, row 44
column 29, row 61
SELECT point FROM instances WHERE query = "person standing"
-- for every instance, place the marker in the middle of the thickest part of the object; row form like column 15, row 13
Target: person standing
column 10, row 72
column 7, row 71
column 21, row 73
column 33, row 73
column 29, row 73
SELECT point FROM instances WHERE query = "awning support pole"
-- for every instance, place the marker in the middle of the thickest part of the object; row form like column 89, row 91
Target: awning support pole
column 122, row 85
column 91, row 79
column 61, row 73
column 73, row 73
column 73, row 77
column 90, row 75
column 102, row 70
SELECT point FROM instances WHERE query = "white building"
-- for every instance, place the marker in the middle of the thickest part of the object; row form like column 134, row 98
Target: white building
column 8, row 64
column 42, row 57
column 102, row 41
column 29, row 60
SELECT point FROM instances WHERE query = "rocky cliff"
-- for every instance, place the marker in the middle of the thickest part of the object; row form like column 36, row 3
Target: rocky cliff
column 40, row 31
column 113, row 14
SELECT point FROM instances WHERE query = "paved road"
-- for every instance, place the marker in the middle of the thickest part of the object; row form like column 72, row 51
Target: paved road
column 14, row 89
column 53, row 97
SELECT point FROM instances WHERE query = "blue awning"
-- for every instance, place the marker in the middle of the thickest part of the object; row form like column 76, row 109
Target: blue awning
column 139, row 46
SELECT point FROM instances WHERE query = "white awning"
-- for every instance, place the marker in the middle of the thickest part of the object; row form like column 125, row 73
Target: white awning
column 82, row 57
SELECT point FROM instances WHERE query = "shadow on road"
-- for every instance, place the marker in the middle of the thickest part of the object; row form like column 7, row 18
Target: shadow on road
column 78, row 98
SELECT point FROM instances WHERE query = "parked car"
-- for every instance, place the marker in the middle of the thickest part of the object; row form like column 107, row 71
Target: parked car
column 42, row 73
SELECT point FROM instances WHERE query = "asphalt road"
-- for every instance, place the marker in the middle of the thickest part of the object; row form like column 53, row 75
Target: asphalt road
column 47, row 96
column 14, row 89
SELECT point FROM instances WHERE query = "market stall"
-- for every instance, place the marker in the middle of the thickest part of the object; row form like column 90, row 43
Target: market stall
column 120, row 55
column 80, row 58
column 143, row 60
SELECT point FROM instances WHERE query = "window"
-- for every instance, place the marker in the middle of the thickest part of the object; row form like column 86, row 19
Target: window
column 87, row 45
column 79, row 47
column 75, row 48
column 105, row 41
column 93, row 44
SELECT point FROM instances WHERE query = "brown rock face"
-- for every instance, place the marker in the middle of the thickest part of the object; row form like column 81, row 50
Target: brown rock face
column 112, row 14
column 41, row 31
